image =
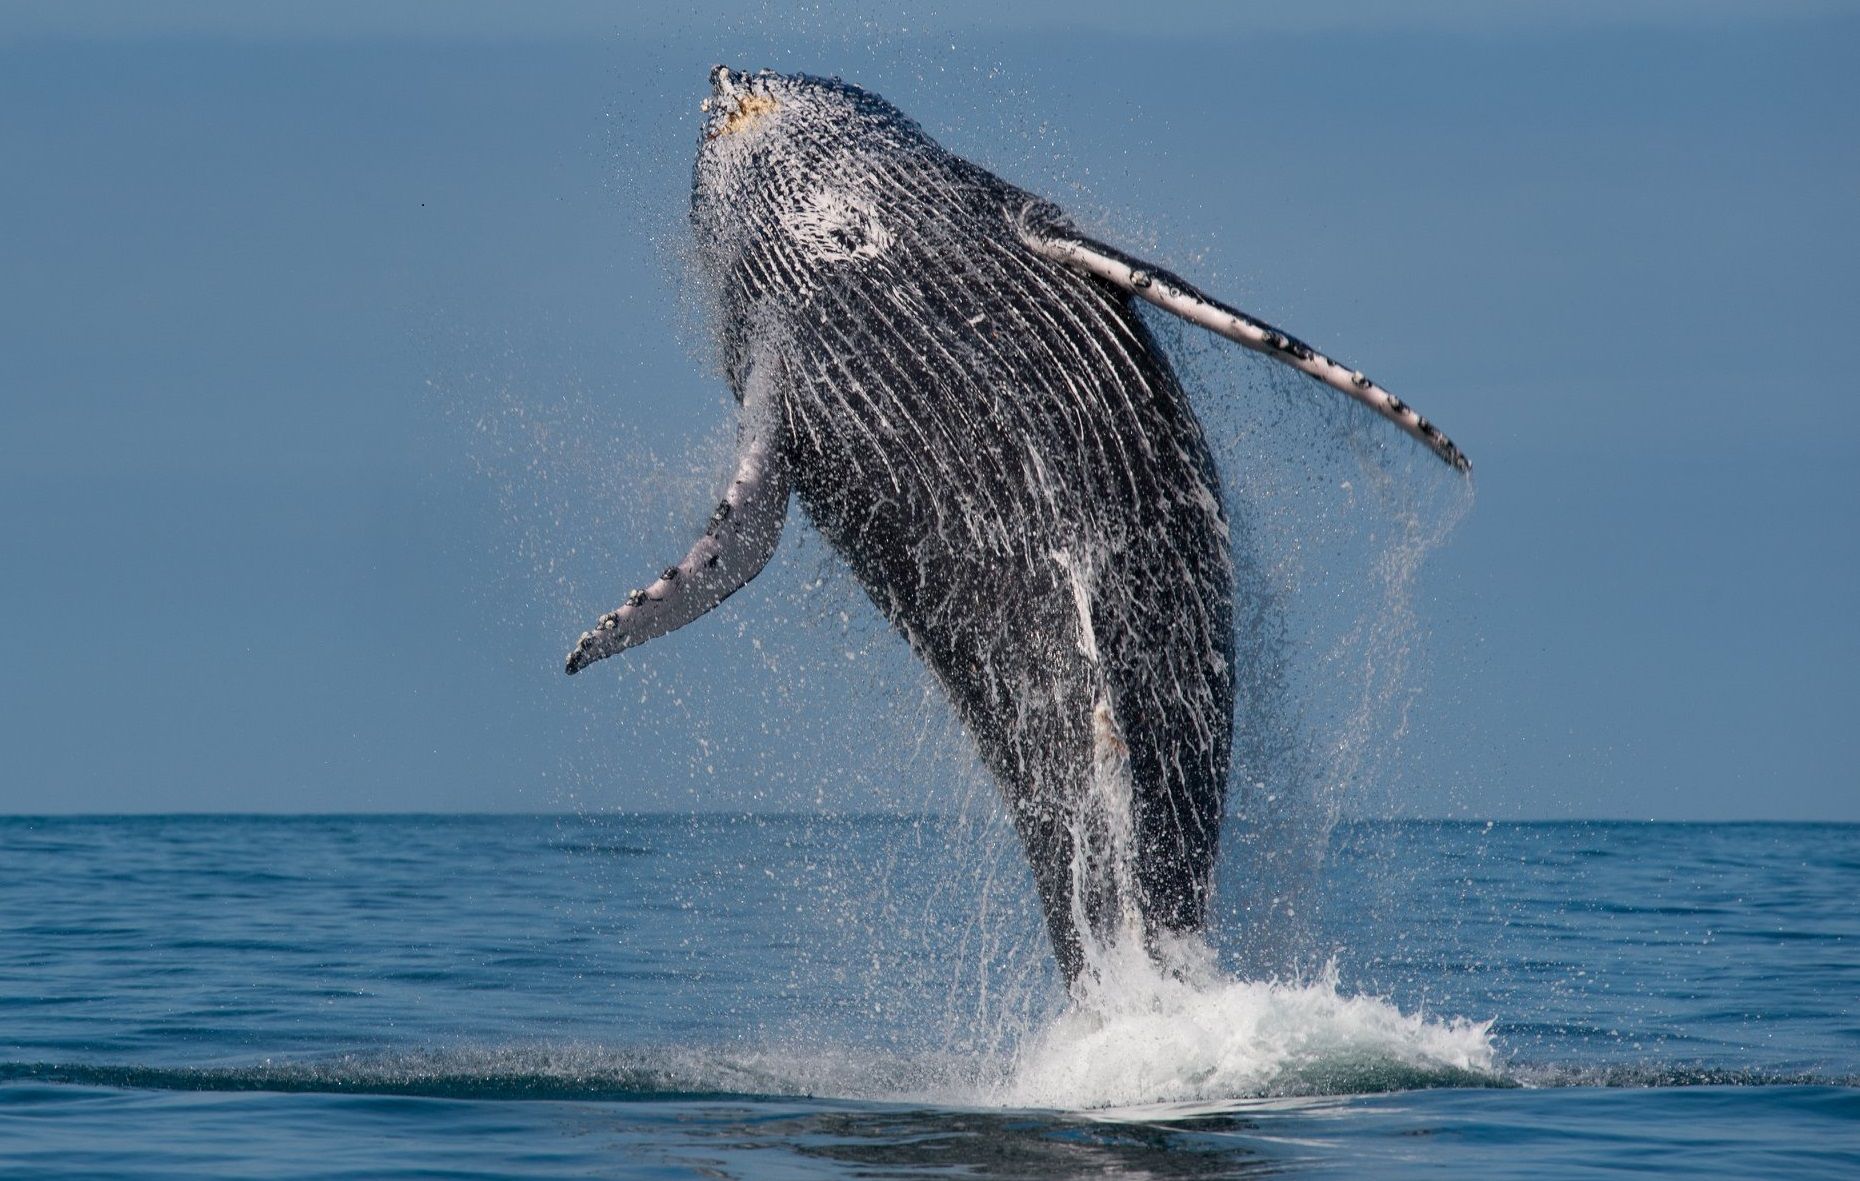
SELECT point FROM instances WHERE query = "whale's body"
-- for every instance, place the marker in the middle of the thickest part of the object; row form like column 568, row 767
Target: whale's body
column 986, row 431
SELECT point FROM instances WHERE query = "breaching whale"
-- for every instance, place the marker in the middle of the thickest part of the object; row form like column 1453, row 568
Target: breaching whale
column 958, row 388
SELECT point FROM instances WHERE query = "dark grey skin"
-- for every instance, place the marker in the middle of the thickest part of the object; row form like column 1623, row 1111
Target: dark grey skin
column 986, row 431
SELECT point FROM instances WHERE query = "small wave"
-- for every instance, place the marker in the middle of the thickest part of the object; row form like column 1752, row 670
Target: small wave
column 603, row 849
column 1671, row 1074
column 1112, row 1069
column 520, row 1072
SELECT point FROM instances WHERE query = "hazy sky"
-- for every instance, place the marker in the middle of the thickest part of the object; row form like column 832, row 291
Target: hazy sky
column 345, row 376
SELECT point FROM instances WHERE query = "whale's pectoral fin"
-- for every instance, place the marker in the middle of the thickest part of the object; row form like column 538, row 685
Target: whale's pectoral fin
column 738, row 542
column 1048, row 234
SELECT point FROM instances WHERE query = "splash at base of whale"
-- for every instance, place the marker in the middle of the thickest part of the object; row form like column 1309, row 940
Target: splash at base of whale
column 958, row 388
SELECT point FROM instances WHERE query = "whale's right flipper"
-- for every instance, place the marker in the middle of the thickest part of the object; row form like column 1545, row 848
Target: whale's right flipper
column 736, row 545
column 1046, row 231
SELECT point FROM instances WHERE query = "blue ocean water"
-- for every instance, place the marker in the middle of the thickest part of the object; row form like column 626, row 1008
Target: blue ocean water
column 545, row 996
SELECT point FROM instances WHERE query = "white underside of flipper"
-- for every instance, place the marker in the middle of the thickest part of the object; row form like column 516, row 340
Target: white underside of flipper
column 738, row 543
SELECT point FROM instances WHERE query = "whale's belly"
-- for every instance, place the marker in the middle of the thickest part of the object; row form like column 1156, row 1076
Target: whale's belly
column 1005, row 458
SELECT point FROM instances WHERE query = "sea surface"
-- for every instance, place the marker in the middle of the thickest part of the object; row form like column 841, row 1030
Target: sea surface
column 773, row 997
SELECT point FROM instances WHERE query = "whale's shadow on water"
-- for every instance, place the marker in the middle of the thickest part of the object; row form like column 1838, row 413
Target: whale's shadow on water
column 916, row 1142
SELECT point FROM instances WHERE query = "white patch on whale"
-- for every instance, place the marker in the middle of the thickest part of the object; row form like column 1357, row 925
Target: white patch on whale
column 837, row 225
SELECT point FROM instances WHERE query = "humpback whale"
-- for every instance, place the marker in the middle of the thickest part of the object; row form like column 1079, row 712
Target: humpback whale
column 957, row 386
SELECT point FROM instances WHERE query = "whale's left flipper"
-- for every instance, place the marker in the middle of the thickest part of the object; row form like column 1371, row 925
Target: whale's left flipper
column 736, row 545
column 1053, row 237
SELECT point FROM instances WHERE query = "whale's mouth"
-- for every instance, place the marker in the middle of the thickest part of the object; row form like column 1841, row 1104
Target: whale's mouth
column 734, row 104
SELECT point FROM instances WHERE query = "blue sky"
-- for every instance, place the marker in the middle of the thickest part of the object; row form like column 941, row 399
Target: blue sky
column 345, row 374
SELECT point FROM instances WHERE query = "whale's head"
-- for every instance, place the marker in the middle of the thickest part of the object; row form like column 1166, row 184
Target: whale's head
column 791, row 171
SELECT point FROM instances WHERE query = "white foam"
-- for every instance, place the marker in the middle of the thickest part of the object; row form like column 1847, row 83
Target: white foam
column 1143, row 1036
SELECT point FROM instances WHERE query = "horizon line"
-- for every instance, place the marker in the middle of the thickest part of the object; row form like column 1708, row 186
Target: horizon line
column 744, row 814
